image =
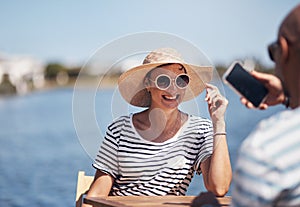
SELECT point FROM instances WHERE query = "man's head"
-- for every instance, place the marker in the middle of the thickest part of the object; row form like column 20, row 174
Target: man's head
column 285, row 52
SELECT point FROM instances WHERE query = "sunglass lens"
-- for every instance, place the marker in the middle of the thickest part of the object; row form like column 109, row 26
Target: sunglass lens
column 182, row 81
column 163, row 82
column 271, row 49
column 270, row 53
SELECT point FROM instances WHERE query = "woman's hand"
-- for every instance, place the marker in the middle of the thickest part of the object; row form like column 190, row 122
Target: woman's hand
column 217, row 104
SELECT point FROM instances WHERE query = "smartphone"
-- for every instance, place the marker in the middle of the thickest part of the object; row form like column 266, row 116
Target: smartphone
column 242, row 82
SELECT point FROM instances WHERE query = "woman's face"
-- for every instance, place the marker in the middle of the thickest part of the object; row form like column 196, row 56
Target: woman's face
column 171, row 97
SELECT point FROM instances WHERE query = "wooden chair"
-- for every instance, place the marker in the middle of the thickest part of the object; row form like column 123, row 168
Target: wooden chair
column 83, row 184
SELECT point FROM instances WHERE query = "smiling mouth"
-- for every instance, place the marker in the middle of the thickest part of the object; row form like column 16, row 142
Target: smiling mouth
column 170, row 98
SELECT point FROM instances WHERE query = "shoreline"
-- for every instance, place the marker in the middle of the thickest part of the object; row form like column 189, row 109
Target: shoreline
column 84, row 82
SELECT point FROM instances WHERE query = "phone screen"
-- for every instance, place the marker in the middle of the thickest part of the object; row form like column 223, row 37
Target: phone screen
column 247, row 85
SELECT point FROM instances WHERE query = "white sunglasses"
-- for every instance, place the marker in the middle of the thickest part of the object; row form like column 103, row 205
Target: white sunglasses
column 163, row 81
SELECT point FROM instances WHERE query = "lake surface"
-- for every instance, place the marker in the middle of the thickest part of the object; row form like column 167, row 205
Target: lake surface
column 41, row 153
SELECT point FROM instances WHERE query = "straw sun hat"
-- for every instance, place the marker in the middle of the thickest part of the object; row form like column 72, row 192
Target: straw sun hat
column 131, row 83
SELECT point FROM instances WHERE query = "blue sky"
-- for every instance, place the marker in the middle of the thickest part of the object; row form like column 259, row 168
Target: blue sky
column 71, row 31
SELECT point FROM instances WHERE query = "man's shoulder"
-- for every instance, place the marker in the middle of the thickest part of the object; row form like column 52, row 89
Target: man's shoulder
column 272, row 129
column 283, row 118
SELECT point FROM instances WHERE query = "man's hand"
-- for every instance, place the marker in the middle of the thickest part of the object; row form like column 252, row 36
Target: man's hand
column 273, row 84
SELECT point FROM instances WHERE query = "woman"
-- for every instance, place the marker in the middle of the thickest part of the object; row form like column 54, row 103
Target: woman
column 157, row 151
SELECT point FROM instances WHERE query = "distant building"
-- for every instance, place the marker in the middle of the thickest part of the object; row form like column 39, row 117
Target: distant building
column 23, row 73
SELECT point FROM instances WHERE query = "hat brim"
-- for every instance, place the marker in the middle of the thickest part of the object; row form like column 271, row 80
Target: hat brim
column 132, row 88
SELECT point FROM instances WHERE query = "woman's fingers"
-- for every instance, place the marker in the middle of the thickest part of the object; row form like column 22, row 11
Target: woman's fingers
column 214, row 97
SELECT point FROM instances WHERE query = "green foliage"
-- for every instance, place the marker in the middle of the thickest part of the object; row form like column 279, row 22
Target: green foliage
column 52, row 69
column 221, row 69
column 258, row 67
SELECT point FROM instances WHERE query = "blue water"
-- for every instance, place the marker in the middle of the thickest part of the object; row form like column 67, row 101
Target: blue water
column 40, row 153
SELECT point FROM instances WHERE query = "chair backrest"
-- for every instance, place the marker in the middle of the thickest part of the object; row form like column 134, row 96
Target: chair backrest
column 83, row 185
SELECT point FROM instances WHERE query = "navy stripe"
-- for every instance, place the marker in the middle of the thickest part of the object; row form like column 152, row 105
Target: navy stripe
column 280, row 134
column 288, row 149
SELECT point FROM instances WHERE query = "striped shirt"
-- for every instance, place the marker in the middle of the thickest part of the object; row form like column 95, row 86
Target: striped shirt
column 268, row 166
column 142, row 167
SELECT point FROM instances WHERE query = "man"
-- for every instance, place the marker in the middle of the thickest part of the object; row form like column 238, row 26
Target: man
column 268, row 167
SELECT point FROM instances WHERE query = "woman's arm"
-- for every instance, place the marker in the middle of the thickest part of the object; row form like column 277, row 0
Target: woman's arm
column 216, row 169
column 101, row 186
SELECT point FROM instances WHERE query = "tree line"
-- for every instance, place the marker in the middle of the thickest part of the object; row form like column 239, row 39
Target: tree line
column 53, row 69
